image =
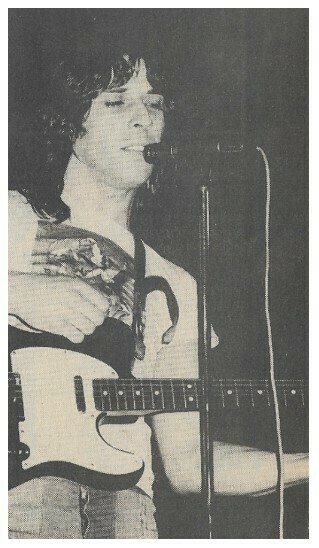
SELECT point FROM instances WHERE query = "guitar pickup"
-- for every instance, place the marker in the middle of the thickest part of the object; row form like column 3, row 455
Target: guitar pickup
column 79, row 394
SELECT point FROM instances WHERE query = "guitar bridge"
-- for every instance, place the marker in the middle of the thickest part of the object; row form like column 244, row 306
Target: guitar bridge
column 15, row 396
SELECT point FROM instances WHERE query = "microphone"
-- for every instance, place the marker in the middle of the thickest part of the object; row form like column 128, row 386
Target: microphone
column 187, row 151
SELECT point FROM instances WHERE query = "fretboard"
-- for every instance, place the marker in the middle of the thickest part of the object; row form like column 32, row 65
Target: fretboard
column 186, row 394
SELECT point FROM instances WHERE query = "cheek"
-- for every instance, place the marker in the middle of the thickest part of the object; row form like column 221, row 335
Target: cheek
column 94, row 145
column 159, row 123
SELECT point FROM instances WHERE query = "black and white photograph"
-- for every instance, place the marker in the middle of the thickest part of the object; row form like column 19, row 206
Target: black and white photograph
column 158, row 273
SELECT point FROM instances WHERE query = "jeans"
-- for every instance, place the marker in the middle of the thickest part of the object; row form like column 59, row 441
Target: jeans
column 57, row 508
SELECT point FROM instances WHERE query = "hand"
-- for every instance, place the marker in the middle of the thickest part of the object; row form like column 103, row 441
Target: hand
column 58, row 304
column 296, row 468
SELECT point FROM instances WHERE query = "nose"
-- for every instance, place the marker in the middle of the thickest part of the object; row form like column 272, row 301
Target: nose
column 140, row 115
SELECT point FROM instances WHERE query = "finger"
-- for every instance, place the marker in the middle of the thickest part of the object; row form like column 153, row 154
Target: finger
column 73, row 334
column 82, row 323
column 96, row 316
column 95, row 297
column 88, row 311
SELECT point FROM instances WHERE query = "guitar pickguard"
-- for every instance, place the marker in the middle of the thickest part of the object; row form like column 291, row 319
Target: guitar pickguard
column 57, row 361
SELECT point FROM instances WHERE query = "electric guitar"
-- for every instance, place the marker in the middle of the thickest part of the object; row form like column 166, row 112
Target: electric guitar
column 64, row 400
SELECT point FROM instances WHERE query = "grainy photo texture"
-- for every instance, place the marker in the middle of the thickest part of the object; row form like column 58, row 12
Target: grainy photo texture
column 158, row 273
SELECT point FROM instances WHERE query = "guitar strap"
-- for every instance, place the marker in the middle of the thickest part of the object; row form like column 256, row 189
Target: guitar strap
column 142, row 287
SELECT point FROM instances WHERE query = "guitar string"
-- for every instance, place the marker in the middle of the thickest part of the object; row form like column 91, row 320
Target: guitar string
column 214, row 382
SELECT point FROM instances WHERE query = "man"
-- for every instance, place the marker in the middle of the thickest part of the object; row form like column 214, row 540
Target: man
column 107, row 115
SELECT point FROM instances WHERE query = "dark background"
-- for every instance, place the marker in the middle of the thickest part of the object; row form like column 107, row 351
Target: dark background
column 244, row 70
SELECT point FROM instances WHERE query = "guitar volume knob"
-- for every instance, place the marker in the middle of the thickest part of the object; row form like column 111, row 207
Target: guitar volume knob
column 23, row 452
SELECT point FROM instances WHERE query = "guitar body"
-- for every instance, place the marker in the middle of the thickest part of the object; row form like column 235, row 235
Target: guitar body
column 54, row 426
column 71, row 406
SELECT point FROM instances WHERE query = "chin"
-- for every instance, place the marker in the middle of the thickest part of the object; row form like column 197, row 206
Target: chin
column 136, row 178
column 134, row 184
column 129, row 183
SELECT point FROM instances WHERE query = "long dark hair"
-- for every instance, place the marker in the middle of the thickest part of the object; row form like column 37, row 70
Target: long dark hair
column 71, row 88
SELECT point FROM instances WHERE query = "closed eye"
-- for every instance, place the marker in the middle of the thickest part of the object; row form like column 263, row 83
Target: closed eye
column 154, row 101
column 113, row 103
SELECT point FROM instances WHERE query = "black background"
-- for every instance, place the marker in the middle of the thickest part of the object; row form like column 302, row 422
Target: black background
column 243, row 70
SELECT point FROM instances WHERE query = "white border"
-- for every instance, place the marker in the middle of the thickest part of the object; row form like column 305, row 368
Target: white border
column 314, row 273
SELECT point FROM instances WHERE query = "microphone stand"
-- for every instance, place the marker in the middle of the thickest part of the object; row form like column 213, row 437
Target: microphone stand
column 152, row 154
column 204, row 344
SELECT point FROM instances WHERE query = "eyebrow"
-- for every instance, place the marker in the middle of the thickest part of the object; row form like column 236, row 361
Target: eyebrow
column 123, row 89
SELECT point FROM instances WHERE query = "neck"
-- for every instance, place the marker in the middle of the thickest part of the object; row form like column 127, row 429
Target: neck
column 86, row 190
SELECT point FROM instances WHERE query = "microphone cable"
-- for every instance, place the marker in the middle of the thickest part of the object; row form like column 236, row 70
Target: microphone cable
column 279, row 451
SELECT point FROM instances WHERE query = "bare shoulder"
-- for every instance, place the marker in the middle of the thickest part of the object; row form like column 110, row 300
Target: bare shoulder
column 22, row 228
column 185, row 288
column 19, row 207
column 179, row 279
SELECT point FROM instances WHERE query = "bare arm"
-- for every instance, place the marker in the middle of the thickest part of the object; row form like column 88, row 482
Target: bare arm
column 58, row 304
column 238, row 470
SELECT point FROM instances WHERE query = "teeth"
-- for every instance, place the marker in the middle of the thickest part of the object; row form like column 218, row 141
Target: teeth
column 136, row 148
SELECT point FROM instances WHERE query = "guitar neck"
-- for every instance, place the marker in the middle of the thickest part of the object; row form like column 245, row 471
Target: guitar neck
column 186, row 394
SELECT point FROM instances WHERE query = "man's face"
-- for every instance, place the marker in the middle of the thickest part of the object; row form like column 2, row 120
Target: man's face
column 120, row 123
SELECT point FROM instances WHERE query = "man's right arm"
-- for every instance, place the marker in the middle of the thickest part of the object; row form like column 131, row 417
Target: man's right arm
column 58, row 304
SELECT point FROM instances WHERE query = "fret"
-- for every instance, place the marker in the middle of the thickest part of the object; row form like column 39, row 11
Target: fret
column 115, row 391
column 173, row 397
column 180, row 396
column 138, row 397
column 190, row 395
column 236, row 392
column 97, row 394
column 100, row 393
column 113, row 395
column 230, row 394
column 247, row 395
column 261, row 394
column 148, row 396
column 302, row 394
column 133, row 394
column 143, row 397
column 162, row 395
column 100, row 401
column 267, row 392
column 106, row 394
column 152, row 396
column 158, row 396
column 252, row 394
column 122, row 394
column 256, row 392
column 292, row 395
column 184, row 395
column 196, row 395
column 222, row 392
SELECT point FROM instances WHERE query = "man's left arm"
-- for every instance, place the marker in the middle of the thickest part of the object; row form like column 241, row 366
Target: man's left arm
column 238, row 470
